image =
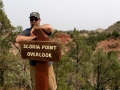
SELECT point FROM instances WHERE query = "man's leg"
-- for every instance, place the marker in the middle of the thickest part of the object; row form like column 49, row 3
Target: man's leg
column 32, row 77
column 52, row 79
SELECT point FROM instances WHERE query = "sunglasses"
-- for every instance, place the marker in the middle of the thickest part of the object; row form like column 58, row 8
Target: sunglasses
column 33, row 19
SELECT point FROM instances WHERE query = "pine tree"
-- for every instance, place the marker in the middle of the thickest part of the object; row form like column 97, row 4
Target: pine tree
column 106, row 70
column 63, row 71
column 13, row 70
column 81, row 54
column 5, row 25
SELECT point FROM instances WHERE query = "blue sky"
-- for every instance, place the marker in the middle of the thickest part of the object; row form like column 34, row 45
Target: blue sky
column 65, row 14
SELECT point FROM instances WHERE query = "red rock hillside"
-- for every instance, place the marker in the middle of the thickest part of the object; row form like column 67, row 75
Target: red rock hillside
column 62, row 37
column 110, row 44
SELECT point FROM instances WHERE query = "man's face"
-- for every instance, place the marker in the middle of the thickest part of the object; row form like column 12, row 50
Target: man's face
column 34, row 21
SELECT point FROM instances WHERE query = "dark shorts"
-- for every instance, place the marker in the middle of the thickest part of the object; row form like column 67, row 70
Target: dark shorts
column 33, row 62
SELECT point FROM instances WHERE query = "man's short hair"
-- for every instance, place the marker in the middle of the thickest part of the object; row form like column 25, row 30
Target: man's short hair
column 34, row 14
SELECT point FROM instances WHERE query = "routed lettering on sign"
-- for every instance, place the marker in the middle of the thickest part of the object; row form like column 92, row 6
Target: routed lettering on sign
column 41, row 50
column 49, row 55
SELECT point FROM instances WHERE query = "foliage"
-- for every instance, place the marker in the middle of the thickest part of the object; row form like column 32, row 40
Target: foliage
column 115, row 33
column 5, row 26
column 104, row 69
column 109, row 35
column 16, row 71
column 62, row 71
column 79, row 53
column 115, row 67
column 13, row 70
column 92, row 41
column 90, row 71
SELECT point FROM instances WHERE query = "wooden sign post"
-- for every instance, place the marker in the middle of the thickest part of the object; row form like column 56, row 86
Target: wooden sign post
column 43, row 51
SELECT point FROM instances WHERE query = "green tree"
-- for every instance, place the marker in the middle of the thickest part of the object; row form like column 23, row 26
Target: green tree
column 62, row 72
column 81, row 54
column 4, row 46
column 115, row 33
column 11, row 66
column 91, row 40
column 104, row 67
column 62, row 69
column 4, row 21
column 115, row 67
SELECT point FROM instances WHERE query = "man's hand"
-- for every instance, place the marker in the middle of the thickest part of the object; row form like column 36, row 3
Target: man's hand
column 32, row 32
column 46, row 27
column 31, row 38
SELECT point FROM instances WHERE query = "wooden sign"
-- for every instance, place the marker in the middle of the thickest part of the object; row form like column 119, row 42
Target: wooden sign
column 41, row 50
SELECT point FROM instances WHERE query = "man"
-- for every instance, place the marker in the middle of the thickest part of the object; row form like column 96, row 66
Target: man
column 28, row 35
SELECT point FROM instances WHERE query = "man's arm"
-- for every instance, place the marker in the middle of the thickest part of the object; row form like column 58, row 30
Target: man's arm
column 46, row 27
column 20, row 38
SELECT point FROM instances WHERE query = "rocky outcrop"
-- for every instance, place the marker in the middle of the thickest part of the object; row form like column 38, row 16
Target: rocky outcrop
column 61, row 37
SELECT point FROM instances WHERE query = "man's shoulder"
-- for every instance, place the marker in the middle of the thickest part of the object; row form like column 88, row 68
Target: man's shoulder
column 26, row 32
column 27, row 29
